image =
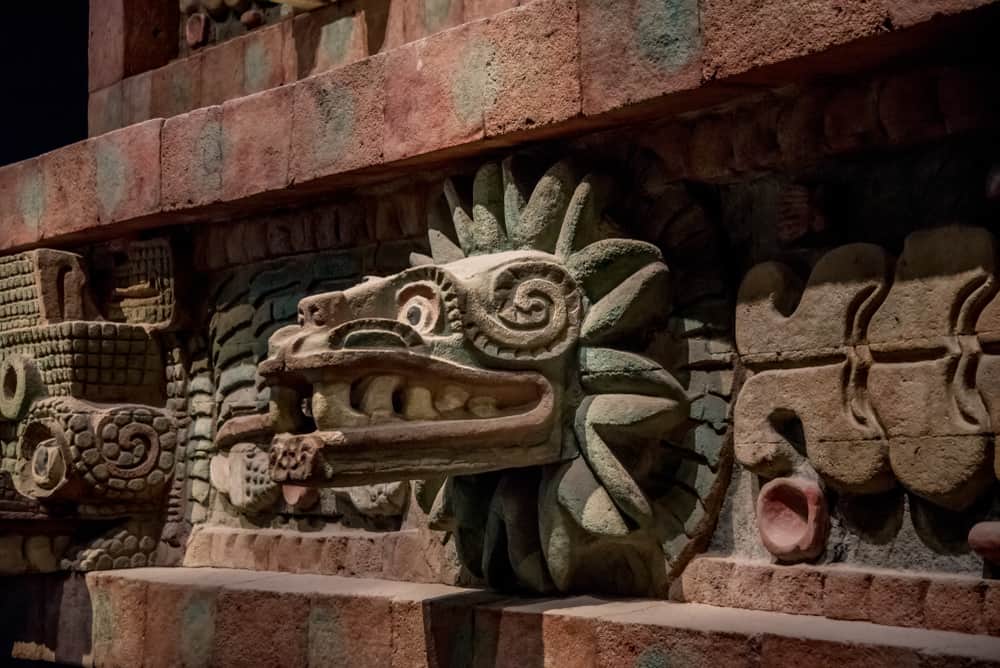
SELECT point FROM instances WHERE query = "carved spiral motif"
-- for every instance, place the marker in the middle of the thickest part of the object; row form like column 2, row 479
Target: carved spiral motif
column 533, row 312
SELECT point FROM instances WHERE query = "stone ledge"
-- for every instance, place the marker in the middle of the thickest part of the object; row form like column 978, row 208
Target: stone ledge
column 456, row 93
column 219, row 617
column 915, row 600
column 390, row 555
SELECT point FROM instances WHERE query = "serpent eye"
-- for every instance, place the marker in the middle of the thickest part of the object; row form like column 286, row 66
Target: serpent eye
column 420, row 308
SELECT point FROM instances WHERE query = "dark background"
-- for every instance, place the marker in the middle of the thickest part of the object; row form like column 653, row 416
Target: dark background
column 43, row 46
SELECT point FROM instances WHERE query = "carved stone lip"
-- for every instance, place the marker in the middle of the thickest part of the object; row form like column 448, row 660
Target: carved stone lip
column 451, row 419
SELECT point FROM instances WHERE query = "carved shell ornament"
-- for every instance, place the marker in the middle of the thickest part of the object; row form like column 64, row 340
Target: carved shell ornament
column 498, row 370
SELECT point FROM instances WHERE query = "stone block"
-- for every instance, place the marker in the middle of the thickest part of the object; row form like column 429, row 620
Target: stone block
column 908, row 107
column 845, row 594
column 326, row 38
column 797, row 590
column 955, row 605
column 22, row 202
column 137, row 98
column 181, row 631
column 260, row 628
column 337, row 120
column 199, row 549
column 626, row 645
column 480, row 9
column 262, row 59
column 118, row 620
column 106, row 52
column 569, row 641
column 851, row 119
column 530, row 59
column 897, row 600
column 222, row 71
column 256, row 142
column 635, row 50
column 191, row 158
column 749, row 586
column 128, row 171
column 800, row 130
column 436, row 91
column 128, row 37
column 151, row 34
column 711, row 149
column 507, row 637
column 421, row 19
column 176, row 88
column 105, row 110
column 706, row 580
column 70, row 200
column 741, row 35
column 350, row 630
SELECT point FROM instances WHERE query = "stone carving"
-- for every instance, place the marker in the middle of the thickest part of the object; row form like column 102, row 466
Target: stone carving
column 501, row 368
column 248, row 305
column 868, row 381
column 87, row 434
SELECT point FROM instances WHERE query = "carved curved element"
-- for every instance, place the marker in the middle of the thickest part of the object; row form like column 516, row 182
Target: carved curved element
column 774, row 404
column 20, row 384
column 123, row 453
column 775, row 314
column 531, row 310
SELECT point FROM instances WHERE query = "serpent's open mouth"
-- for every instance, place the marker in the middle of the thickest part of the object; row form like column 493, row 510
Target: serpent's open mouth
column 347, row 416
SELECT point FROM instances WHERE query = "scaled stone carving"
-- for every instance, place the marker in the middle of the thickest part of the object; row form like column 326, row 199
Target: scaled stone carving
column 90, row 445
column 501, row 369
column 872, row 376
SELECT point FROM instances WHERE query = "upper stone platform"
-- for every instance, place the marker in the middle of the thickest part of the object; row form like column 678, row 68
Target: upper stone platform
column 485, row 75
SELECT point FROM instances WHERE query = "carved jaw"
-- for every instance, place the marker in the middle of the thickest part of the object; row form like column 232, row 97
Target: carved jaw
column 383, row 415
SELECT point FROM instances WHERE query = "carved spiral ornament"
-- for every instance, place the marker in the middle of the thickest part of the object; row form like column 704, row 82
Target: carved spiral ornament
column 533, row 311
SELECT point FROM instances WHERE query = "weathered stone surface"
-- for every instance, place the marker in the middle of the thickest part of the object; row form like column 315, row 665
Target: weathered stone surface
column 256, row 143
column 631, row 51
column 338, row 121
column 191, row 158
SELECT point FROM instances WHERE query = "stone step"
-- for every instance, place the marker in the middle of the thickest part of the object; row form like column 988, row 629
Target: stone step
column 221, row 617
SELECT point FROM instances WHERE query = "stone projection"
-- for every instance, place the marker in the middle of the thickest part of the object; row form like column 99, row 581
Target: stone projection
column 500, row 369
column 91, row 435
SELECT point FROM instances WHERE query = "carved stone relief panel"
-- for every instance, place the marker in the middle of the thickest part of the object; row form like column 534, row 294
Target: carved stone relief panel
column 872, row 376
column 90, row 441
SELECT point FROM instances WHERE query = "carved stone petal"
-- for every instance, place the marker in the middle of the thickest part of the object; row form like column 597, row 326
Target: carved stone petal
column 603, row 265
column 629, row 306
column 628, row 417
column 587, row 502
column 610, row 371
